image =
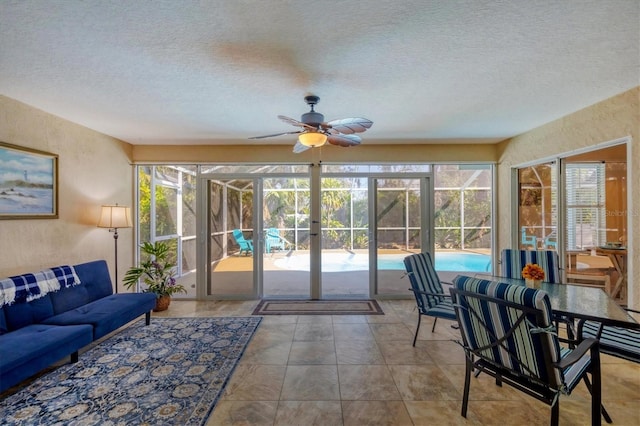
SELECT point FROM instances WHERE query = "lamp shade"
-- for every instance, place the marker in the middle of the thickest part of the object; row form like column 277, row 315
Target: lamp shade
column 115, row 217
column 312, row 139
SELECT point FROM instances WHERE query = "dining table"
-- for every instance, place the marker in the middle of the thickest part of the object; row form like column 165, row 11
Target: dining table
column 618, row 256
column 577, row 302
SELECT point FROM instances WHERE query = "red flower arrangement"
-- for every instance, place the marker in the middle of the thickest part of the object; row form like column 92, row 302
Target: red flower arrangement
column 532, row 271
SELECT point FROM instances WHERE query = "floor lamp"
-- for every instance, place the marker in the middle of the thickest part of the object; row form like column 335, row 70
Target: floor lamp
column 114, row 217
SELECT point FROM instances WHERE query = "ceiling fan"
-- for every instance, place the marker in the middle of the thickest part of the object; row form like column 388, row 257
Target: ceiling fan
column 316, row 132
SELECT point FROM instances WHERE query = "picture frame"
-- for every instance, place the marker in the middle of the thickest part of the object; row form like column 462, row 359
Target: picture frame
column 28, row 183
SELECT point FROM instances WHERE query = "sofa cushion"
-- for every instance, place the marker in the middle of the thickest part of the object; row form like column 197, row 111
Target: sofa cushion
column 22, row 314
column 3, row 322
column 26, row 351
column 107, row 314
column 96, row 284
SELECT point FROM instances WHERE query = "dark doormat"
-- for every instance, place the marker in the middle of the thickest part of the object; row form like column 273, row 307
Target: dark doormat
column 318, row 307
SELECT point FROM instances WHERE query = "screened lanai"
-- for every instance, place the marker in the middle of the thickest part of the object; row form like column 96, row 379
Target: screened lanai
column 347, row 227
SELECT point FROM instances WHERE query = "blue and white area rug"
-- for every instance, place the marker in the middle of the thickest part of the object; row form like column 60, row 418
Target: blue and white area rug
column 171, row 372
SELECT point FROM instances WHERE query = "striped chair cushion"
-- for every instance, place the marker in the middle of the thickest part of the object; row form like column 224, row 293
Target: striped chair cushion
column 497, row 319
column 616, row 341
column 573, row 373
column 512, row 262
column 443, row 309
column 423, row 277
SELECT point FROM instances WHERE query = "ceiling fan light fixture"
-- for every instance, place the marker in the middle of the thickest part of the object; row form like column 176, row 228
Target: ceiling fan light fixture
column 312, row 139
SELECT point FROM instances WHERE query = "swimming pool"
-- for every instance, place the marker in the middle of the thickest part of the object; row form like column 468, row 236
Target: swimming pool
column 341, row 262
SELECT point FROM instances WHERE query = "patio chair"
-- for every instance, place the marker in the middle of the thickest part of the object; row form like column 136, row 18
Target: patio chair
column 528, row 240
column 551, row 241
column 615, row 341
column 507, row 333
column 246, row 246
column 427, row 289
column 512, row 262
column 273, row 241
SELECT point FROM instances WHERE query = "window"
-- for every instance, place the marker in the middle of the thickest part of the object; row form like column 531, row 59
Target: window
column 586, row 216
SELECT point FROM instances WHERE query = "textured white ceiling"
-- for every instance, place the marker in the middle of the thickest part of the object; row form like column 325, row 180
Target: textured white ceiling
column 219, row 71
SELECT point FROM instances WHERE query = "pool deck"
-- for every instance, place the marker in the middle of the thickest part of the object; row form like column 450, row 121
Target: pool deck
column 234, row 276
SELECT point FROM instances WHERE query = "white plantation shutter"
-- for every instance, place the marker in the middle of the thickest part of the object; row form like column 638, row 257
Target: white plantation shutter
column 586, row 221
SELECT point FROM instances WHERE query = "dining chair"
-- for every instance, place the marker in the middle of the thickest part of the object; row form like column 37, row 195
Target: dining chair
column 511, row 264
column 431, row 299
column 615, row 341
column 512, row 261
column 246, row 246
column 507, row 332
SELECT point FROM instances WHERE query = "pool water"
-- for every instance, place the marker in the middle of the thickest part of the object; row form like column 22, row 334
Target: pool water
column 341, row 262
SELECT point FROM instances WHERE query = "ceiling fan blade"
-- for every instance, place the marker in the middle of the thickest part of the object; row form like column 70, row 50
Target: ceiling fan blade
column 298, row 148
column 275, row 134
column 350, row 125
column 344, row 140
column 294, row 122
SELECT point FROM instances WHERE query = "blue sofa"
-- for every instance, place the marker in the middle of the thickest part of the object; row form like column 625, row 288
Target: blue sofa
column 37, row 333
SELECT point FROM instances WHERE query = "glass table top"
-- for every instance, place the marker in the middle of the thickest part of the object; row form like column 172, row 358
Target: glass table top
column 578, row 301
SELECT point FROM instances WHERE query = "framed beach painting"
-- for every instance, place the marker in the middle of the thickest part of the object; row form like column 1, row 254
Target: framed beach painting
column 28, row 183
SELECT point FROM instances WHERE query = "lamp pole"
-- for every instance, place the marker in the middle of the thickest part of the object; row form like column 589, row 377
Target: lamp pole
column 114, row 217
column 115, row 243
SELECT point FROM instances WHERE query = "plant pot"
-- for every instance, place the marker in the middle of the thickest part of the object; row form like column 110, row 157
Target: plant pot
column 532, row 283
column 162, row 303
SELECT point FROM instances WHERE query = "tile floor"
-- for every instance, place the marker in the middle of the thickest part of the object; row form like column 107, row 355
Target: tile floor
column 362, row 370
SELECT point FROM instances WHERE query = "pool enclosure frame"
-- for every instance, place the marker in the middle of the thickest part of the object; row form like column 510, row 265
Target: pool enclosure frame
column 253, row 173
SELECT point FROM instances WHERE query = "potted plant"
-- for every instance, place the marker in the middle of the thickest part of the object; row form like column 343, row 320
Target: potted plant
column 157, row 273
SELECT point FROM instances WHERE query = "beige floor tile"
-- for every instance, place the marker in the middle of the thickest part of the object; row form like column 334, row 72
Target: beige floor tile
column 255, row 383
column 622, row 412
column 311, row 383
column 243, row 413
column 276, row 331
column 267, row 351
column 619, row 381
column 313, row 331
column 367, row 383
column 482, row 387
column 309, row 413
column 401, row 352
column 279, row 319
column 423, row 383
column 310, row 353
column 439, row 413
column 443, row 351
column 358, row 352
column 502, row 413
column 315, row 319
column 391, row 331
column 352, row 332
column 349, row 319
column 374, row 413
column 388, row 317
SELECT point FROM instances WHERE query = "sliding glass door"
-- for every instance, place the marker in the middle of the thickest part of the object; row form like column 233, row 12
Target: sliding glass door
column 400, row 224
column 285, row 237
column 231, row 242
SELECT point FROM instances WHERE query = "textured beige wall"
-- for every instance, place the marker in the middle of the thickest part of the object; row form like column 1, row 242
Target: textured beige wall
column 611, row 119
column 94, row 169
